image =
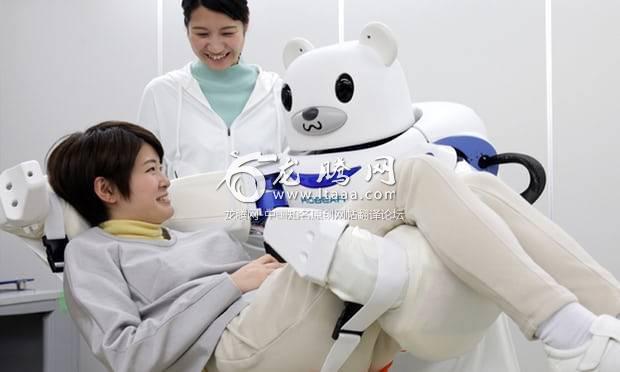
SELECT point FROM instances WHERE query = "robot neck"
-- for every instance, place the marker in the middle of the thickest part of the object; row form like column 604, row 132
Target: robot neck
column 361, row 146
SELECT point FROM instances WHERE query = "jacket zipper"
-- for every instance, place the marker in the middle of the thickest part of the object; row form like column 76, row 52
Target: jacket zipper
column 230, row 149
column 243, row 113
column 251, row 109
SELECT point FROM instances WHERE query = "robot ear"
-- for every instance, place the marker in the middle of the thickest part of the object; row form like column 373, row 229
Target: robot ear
column 294, row 49
column 380, row 38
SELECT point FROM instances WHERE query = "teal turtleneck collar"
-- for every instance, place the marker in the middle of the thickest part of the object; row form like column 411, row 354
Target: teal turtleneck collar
column 228, row 90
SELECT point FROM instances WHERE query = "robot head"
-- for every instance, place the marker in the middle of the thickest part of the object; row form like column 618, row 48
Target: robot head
column 345, row 94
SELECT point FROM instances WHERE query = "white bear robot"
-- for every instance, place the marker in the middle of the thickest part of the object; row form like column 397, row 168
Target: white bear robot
column 350, row 116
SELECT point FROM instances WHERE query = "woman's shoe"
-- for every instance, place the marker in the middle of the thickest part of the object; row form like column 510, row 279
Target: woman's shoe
column 601, row 354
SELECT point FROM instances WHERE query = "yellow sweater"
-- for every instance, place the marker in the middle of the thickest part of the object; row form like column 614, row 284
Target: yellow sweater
column 133, row 229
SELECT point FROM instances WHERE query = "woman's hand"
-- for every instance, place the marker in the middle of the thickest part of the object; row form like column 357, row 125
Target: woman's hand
column 252, row 275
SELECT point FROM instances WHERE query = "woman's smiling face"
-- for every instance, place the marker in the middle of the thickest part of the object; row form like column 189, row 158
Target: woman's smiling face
column 148, row 199
column 216, row 39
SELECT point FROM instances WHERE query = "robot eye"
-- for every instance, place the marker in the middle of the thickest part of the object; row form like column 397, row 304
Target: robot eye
column 344, row 88
column 287, row 97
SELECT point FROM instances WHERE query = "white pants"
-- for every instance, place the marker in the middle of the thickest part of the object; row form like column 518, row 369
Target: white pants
column 501, row 251
column 496, row 243
column 288, row 327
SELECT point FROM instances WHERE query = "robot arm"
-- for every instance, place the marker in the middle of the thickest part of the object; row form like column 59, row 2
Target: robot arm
column 458, row 126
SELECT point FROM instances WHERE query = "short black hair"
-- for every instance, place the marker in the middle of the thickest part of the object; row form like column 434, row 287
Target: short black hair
column 108, row 150
column 236, row 9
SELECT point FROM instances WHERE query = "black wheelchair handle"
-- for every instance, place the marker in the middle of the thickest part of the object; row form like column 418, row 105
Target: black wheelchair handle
column 538, row 177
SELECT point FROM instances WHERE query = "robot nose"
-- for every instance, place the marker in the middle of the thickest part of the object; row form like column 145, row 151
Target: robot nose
column 310, row 114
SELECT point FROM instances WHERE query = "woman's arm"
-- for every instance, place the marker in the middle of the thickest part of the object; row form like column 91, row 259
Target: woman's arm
column 149, row 118
column 147, row 113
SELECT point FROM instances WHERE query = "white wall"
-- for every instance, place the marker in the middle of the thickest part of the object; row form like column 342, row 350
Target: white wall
column 67, row 64
column 3, row 60
column 586, row 86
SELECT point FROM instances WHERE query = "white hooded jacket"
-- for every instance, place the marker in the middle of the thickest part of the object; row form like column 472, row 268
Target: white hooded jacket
column 194, row 136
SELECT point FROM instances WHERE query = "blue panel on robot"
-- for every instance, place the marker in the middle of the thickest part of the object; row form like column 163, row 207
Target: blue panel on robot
column 473, row 148
column 311, row 180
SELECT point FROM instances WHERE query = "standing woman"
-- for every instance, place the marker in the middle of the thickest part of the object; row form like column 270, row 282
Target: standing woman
column 216, row 104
